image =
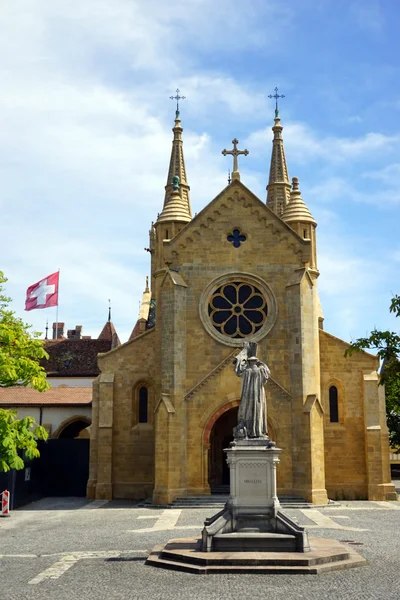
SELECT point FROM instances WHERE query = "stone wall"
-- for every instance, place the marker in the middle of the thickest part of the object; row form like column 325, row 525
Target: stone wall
column 356, row 447
column 121, row 449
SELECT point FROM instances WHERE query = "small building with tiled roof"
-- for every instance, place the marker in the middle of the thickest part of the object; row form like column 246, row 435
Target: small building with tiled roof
column 55, row 409
column 64, row 410
column 71, row 368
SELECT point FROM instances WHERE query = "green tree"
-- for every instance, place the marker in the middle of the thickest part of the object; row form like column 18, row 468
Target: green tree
column 18, row 436
column 20, row 356
column 386, row 344
column 20, row 351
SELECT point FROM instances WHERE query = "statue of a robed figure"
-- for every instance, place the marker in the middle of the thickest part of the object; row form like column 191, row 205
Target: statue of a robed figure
column 252, row 414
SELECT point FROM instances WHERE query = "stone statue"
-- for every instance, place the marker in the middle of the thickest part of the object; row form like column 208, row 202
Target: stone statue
column 252, row 415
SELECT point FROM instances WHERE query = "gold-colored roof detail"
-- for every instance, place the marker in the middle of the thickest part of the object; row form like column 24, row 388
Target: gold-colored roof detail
column 145, row 304
column 297, row 210
column 176, row 209
column 278, row 188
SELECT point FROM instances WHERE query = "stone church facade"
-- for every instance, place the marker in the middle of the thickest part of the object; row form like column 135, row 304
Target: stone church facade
column 166, row 401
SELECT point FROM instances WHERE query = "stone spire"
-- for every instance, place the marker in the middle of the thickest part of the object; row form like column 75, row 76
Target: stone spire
column 278, row 188
column 297, row 215
column 108, row 332
column 144, row 310
column 296, row 210
column 176, row 201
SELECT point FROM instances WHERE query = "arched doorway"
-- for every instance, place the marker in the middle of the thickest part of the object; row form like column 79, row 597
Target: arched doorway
column 220, row 437
column 218, row 434
column 64, row 458
column 72, row 428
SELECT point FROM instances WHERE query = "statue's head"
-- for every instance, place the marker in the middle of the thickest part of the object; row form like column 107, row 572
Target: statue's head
column 175, row 182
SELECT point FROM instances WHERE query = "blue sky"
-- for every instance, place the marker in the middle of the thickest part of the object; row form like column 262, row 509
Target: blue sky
column 85, row 138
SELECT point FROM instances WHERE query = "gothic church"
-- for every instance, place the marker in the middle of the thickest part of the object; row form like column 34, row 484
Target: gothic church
column 165, row 402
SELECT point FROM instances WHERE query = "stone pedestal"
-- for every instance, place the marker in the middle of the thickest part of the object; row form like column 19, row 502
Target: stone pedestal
column 251, row 534
column 252, row 466
column 251, row 520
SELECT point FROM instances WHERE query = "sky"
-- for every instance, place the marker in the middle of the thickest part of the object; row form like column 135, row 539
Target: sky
column 85, row 139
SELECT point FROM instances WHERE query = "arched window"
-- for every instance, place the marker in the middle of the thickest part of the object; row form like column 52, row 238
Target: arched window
column 143, row 404
column 333, row 404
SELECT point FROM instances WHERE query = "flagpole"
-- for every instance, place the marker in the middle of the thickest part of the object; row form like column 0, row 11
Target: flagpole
column 58, row 295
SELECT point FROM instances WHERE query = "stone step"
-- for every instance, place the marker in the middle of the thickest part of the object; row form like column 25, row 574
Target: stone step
column 219, row 501
column 185, row 555
column 214, row 498
column 235, row 558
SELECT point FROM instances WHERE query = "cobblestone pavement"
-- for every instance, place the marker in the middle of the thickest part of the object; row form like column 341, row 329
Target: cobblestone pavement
column 70, row 548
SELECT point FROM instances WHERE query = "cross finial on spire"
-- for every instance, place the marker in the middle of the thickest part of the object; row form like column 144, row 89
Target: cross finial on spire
column 177, row 98
column 109, row 310
column 229, row 176
column 47, row 329
column 235, row 153
column 276, row 96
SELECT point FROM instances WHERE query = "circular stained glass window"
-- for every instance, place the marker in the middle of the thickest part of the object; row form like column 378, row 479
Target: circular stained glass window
column 237, row 306
column 237, row 309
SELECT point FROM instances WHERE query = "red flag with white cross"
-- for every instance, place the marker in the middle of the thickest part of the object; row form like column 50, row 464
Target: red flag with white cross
column 43, row 294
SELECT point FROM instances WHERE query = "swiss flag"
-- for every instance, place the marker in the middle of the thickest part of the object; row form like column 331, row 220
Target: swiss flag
column 43, row 294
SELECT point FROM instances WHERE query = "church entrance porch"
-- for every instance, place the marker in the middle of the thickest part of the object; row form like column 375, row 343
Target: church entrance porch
column 220, row 437
column 218, row 434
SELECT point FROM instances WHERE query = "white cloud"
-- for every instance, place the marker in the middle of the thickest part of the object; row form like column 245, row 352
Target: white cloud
column 354, row 285
column 389, row 174
column 304, row 144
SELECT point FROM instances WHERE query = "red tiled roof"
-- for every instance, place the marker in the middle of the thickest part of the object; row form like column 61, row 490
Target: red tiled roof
column 107, row 331
column 72, row 358
column 135, row 331
column 19, row 396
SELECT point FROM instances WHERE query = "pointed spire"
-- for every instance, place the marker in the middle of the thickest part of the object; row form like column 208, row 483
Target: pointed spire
column 144, row 309
column 47, row 330
column 108, row 332
column 176, row 201
column 278, row 188
column 296, row 210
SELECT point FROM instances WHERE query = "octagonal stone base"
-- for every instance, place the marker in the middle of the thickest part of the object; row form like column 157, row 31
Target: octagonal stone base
column 186, row 555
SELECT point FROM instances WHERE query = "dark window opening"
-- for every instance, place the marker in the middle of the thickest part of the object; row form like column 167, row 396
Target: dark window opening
column 236, row 238
column 333, row 404
column 143, row 404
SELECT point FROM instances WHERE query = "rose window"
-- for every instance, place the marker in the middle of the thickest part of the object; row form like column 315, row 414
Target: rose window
column 237, row 309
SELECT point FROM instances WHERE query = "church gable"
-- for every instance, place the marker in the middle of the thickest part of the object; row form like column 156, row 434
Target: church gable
column 236, row 219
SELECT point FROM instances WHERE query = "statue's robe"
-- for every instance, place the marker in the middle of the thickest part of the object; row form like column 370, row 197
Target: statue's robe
column 253, row 406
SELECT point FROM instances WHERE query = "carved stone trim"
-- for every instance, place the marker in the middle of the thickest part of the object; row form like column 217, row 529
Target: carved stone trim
column 281, row 389
column 210, row 375
column 278, row 228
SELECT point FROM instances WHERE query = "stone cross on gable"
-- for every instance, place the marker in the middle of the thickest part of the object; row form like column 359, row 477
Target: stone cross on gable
column 235, row 153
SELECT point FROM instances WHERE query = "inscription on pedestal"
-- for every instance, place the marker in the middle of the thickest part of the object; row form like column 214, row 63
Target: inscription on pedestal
column 252, row 480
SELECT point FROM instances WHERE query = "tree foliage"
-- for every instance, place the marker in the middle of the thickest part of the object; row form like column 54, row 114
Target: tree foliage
column 20, row 351
column 18, row 436
column 386, row 344
column 20, row 356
